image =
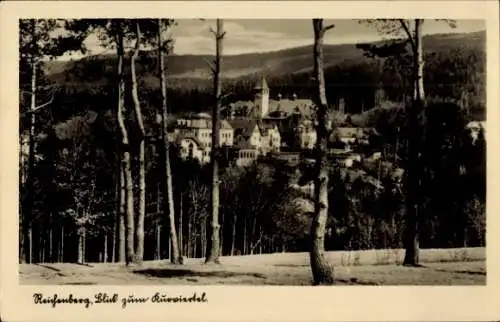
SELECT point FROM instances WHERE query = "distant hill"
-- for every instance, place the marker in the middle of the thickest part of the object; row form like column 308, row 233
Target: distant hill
column 271, row 64
column 455, row 69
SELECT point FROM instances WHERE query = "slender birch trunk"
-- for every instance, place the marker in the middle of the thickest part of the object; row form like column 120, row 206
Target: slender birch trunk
column 233, row 239
column 190, row 237
column 121, row 217
column 213, row 251
column 322, row 271
column 158, row 223
column 168, row 202
column 113, row 236
column 412, row 172
column 51, row 244
column 158, row 241
column 419, row 61
column 84, row 246
column 41, row 246
column 244, row 235
column 27, row 216
column 80, row 248
column 222, row 235
column 252, row 234
column 139, row 230
column 126, row 160
column 181, row 244
column 204, row 239
column 105, row 253
column 62, row 243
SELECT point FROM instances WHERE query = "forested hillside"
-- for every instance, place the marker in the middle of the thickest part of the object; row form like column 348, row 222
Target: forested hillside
column 455, row 70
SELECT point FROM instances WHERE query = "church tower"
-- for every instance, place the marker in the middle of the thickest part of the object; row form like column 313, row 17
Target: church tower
column 261, row 100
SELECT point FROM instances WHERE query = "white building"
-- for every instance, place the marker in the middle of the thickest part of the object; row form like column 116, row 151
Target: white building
column 194, row 137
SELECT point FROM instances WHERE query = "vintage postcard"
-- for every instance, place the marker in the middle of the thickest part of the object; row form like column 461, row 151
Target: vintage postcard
column 249, row 160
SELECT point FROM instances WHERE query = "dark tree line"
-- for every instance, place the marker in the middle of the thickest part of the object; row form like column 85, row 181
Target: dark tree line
column 259, row 211
column 455, row 74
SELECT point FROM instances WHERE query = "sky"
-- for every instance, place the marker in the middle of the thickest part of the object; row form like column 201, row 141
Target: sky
column 264, row 35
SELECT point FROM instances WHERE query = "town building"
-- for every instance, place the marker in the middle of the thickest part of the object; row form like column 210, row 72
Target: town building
column 474, row 127
column 193, row 136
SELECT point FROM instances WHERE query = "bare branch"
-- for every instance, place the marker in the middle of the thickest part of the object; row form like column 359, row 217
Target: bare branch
column 210, row 64
column 450, row 22
column 39, row 107
column 226, row 95
column 328, row 27
column 221, row 36
column 408, row 33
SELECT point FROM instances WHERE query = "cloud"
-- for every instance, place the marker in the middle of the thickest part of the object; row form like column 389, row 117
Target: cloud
column 196, row 38
column 193, row 36
column 259, row 35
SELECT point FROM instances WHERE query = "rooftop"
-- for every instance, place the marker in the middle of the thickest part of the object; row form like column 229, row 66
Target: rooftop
column 201, row 123
column 188, row 137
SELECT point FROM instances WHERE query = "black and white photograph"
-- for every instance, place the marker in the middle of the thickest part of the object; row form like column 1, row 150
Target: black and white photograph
column 252, row 151
column 235, row 160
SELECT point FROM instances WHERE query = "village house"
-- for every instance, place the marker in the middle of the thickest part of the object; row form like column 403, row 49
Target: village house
column 277, row 118
column 474, row 127
column 305, row 134
column 351, row 135
column 291, row 158
column 193, row 136
column 247, row 140
column 270, row 137
column 246, row 154
column 191, row 148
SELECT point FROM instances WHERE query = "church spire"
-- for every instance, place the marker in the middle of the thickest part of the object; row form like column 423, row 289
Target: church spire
column 262, row 85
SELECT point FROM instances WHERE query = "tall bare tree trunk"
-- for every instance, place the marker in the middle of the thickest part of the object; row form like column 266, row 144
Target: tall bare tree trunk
column 168, row 202
column 244, row 235
column 412, row 171
column 105, row 253
column 28, row 207
column 126, row 160
column 84, row 246
column 121, row 216
column 261, row 232
column 80, row 248
column 158, row 242
column 322, row 271
column 233, row 240
column 181, row 214
column 190, row 237
column 158, row 224
column 204, row 240
column 419, row 61
column 113, row 241
column 195, row 246
column 213, row 251
column 139, row 230
column 51, row 244
column 62, row 243
column 41, row 246
column 222, row 236
column 252, row 234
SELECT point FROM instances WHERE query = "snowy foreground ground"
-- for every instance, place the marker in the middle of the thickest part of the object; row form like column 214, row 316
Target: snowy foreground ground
column 439, row 267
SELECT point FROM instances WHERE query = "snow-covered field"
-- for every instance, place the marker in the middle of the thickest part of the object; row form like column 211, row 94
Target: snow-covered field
column 439, row 267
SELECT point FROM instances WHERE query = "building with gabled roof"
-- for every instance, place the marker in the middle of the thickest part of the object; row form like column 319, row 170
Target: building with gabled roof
column 194, row 136
column 191, row 148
